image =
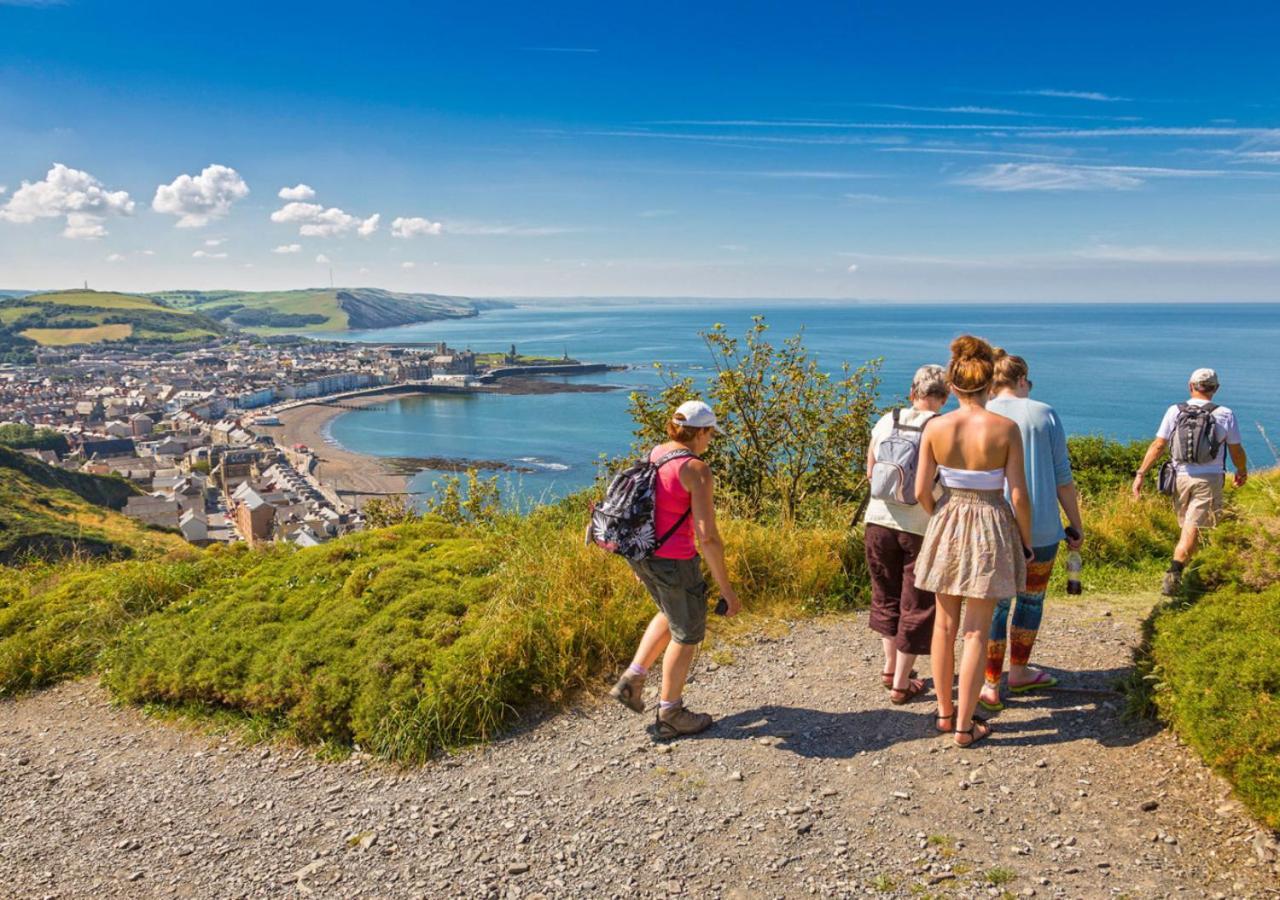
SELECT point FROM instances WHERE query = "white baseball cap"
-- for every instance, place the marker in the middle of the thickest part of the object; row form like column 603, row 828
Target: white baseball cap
column 1204, row 378
column 696, row 414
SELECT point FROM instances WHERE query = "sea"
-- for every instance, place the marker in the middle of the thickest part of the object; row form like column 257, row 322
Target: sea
column 1108, row 369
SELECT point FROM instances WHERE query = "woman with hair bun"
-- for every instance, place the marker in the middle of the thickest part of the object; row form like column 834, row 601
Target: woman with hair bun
column 976, row 546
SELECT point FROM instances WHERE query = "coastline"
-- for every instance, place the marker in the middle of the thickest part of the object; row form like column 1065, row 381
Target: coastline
column 355, row 476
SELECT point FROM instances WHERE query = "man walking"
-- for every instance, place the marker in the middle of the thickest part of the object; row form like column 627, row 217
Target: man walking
column 1199, row 435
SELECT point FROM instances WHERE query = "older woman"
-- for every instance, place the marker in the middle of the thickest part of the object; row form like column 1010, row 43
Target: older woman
column 901, row 613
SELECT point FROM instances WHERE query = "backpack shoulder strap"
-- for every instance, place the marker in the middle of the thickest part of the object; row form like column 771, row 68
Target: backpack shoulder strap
column 897, row 423
column 673, row 456
column 1209, row 407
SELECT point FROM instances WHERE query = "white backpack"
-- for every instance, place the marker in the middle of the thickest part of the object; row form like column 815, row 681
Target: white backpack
column 893, row 477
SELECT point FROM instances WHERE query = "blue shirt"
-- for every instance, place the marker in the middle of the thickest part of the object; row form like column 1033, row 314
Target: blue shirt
column 1044, row 454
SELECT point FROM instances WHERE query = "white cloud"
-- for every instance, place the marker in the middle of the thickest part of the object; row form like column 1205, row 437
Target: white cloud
column 414, row 226
column 297, row 192
column 115, row 258
column 408, row 265
column 323, row 260
column 68, row 192
column 853, row 267
column 205, row 254
column 1048, row 177
column 147, row 252
column 314, row 220
column 288, row 248
column 215, row 242
column 198, row 200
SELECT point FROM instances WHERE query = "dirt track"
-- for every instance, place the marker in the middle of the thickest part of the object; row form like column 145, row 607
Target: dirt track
column 810, row 784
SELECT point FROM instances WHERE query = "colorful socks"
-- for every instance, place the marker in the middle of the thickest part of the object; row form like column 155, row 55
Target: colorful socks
column 636, row 669
column 663, row 705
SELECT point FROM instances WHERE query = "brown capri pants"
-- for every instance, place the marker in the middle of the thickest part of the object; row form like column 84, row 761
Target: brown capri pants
column 898, row 609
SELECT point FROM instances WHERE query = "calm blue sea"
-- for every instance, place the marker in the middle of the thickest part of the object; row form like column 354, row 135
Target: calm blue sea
column 1108, row 369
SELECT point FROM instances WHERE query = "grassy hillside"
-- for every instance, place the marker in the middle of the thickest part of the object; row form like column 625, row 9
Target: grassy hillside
column 63, row 318
column 1211, row 663
column 50, row 514
column 319, row 309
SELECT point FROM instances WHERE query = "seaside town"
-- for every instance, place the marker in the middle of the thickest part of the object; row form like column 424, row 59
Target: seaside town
column 199, row 431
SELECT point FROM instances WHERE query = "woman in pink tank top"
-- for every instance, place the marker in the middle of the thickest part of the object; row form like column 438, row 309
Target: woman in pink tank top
column 685, row 520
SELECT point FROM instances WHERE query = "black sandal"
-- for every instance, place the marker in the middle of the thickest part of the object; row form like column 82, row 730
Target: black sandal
column 939, row 717
column 974, row 737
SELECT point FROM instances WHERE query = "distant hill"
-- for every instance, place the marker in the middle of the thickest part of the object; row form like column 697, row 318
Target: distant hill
column 322, row 309
column 64, row 318
column 48, row 513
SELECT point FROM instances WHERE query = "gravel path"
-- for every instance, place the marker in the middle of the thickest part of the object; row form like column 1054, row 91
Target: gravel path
column 810, row 784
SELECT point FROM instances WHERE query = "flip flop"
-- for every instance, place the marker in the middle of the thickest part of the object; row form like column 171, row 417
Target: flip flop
column 991, row 707
column 1042, row 681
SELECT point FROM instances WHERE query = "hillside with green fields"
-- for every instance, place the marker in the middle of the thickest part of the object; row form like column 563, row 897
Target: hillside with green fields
column 319, row 309
column 67, row 318
column 51, row 514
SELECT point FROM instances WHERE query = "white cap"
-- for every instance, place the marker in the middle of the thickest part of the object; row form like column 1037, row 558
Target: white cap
column 696, row 414
column 1204, row 378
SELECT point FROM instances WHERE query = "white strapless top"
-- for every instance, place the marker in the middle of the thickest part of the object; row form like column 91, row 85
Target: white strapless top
column 972, row 479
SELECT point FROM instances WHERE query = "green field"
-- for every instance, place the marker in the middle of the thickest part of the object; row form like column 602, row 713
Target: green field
column 65, row 318
column 64, row 337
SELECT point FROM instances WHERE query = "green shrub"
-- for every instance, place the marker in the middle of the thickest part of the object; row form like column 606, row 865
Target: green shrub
column 1218, row 665
column 1103, row 466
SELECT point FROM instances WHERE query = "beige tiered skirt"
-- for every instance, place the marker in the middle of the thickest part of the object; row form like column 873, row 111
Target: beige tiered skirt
column 972, row 547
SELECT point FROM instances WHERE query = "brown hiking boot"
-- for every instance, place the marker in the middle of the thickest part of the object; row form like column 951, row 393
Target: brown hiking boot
column 629, row 691
column 680, row 722
column 1172, row 581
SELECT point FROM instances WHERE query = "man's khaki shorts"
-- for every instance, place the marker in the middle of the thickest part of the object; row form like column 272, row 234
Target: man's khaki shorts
column 1198, row 500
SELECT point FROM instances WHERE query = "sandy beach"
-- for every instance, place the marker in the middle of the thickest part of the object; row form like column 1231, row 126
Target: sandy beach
column 354, row 475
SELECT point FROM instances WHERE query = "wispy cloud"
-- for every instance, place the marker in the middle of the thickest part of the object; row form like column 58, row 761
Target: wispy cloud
column 962, row 110
column 969, row 151
column 490, row 230
column 870, row 198
column 1046, row 177
column 1151, row 131
column 1095, row 96
column 205, row 254
column 1055, row 177
column 1175, row 256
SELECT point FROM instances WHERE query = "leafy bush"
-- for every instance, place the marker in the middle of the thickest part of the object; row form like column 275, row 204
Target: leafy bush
column 26, row 437
column 1103, row 466
column 792, row 431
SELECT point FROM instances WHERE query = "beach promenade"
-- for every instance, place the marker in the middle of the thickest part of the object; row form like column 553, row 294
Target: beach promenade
column 355, row 476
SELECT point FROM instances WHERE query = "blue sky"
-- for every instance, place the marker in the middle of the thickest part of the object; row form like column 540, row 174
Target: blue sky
column 1096, row 151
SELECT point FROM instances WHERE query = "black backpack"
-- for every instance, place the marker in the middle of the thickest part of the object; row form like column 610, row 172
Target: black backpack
column 623, row 523
column 1195, row 436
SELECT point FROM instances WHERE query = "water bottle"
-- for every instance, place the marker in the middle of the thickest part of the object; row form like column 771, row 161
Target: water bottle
column 1073, row 573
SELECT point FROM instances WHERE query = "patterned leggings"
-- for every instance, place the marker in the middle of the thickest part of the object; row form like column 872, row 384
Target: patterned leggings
column 1026, row 617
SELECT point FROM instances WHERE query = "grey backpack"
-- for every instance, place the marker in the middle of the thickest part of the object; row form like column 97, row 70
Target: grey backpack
column 893, row 477
column 1195, row 436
